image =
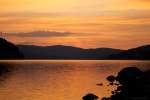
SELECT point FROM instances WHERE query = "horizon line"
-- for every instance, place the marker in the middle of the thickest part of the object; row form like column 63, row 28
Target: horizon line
column 79, row 47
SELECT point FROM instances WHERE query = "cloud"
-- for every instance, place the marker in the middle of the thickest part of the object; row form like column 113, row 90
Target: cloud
column 31, row 14
column 40, row 34
column 142, row 0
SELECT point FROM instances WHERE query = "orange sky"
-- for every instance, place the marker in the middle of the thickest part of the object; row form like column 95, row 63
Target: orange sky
column 88, row 24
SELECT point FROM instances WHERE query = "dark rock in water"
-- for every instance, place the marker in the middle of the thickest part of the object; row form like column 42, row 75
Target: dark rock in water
column 90, row 96
column 100, row 84
column 128, row 75
column 9, row 51
column 111, row 78
column 134, row 84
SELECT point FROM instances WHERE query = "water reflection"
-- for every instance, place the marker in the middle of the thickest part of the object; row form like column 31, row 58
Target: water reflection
column 5, row 71
column 60, row 80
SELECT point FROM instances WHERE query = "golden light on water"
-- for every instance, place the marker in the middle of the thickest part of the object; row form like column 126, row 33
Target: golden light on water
column 59, row 79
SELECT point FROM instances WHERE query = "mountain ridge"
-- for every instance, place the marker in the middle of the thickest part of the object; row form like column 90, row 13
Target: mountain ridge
column 10, row 51
column 138, row 53
column 65, row 52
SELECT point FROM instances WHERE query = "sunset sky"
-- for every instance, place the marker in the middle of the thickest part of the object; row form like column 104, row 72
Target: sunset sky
column 83, row 23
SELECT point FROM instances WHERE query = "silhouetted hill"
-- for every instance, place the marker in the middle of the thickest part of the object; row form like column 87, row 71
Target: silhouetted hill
column 65, row 52
column 139, row 53
column 9, row 50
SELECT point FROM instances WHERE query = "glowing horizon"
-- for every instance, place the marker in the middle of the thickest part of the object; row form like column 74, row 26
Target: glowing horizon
column 106, row 23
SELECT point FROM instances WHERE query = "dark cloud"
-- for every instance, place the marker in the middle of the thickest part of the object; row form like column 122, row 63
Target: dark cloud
column 30, row 14
column 40, row 34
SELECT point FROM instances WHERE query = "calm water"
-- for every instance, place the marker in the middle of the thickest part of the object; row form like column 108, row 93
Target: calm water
column 59, row 80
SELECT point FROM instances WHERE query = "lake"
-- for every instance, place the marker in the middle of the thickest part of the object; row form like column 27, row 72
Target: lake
column 59, row 79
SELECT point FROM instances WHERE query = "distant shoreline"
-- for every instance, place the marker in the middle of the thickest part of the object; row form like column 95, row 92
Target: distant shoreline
column 66, row 60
